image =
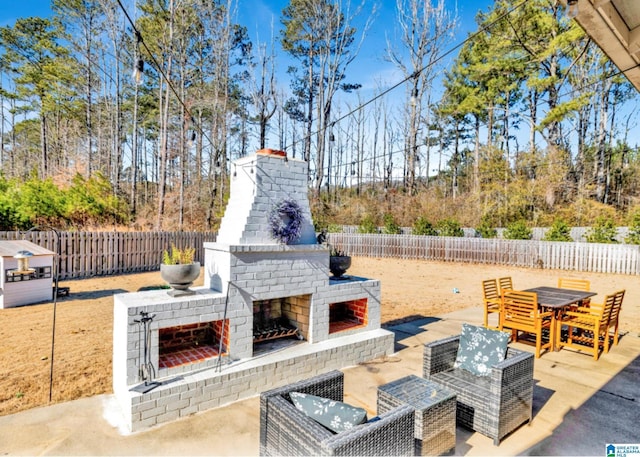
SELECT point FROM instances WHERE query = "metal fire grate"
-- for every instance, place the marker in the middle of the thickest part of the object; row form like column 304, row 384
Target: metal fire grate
column 274, row 329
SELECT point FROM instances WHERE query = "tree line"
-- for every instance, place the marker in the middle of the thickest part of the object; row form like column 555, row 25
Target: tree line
column 528, row 121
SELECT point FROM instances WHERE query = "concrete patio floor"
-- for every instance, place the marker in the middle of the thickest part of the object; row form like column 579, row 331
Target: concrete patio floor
column 580, row 406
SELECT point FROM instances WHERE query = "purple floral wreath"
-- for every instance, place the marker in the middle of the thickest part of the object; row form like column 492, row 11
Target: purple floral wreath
column 286, row 221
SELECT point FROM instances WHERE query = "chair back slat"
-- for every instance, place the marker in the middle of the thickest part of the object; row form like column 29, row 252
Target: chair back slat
column 574, row 284
column 520, row 307
column 607, row 306
column 490, row 289
column 505, row 283
column 617, row 306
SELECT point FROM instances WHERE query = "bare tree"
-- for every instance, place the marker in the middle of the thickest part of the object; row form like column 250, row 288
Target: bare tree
column 425, row 28
column 319, row 33
column 263, row 88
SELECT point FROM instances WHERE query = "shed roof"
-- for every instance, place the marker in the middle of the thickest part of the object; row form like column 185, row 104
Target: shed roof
column 9, row 248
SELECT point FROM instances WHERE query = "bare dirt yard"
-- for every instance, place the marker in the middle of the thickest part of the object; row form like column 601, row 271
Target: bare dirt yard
column 83, row 331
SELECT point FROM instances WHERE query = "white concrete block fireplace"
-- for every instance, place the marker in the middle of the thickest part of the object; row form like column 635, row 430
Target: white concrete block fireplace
column 269, row 312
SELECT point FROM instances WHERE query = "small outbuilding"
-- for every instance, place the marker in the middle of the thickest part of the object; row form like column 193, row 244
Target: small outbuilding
column 26, row 273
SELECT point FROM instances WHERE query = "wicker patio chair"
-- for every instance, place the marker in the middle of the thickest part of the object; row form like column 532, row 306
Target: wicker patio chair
column 493, row 405
column 491, row 298
column 284, row 430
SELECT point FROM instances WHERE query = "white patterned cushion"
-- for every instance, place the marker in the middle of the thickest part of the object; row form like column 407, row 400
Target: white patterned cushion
column 480, row 348
column 335, row 415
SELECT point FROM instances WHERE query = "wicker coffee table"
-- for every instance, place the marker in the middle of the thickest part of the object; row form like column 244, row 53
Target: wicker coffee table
column 435, row 418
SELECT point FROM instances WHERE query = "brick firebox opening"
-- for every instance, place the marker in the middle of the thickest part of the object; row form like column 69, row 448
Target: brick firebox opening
column 192, row 343
column 281, row 318
column 347, row 315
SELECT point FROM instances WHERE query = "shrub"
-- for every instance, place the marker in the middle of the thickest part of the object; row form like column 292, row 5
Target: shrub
column 423, row 227
column 449, row 227
column 40, row 202
column 91, row 201
column 390, row 226
column 559, row 231
column 10, row 216
column 368, row 226
column 634, row 229
column 485, row 230
column 602, row 231
column 518, row 230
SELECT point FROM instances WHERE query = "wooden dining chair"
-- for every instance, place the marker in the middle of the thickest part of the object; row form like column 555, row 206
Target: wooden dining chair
column 491, row 298
column 505, row 283
column 594, row 323
column 613, row 318
column 576, row 284
column 521, row 313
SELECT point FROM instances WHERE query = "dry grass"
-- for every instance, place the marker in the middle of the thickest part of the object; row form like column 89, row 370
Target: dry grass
column 84, row 320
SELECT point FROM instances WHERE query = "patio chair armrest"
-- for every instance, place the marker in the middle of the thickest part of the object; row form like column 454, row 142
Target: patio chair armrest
column 585, row 309
column 327, row 385
column 522, row 361
column 288, row 431
column 581, row 315
column 546, row 314
column 516, row 368
column 392, row 434
column 512, row 383
column 439, row 355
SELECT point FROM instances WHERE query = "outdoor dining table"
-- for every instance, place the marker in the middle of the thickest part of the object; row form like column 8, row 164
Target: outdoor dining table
column 556, row 299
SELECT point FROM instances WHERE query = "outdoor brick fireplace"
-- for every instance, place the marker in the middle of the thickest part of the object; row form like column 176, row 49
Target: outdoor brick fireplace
column 214, row 347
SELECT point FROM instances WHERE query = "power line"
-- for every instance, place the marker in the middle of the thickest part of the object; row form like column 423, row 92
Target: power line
column 385, row 92
column 139, row 39
column 417, row 73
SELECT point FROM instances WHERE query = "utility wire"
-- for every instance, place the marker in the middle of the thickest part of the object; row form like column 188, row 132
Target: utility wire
column 350, row 113
column 569, row 93
column 417, row 73
column 139, row 38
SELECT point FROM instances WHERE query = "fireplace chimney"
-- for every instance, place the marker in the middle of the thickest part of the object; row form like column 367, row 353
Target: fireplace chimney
column 258, row 184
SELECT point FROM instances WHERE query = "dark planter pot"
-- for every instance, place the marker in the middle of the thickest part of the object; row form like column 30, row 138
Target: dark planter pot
column 180, row 277
column 339, row 264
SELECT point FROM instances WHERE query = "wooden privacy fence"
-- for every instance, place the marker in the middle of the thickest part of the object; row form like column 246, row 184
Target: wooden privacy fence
column 85, row 254
column 589, row 257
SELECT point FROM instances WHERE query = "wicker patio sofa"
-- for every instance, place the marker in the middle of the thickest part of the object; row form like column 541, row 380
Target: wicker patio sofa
column 493, row 405
column 284, row 430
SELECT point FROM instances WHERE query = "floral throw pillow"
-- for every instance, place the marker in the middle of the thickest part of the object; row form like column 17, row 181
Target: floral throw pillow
column 480, row 348
column 335, row 415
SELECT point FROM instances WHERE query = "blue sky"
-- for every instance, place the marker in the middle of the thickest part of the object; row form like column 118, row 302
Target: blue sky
column 10, row 10
column 258, row 15
column 370, row 68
